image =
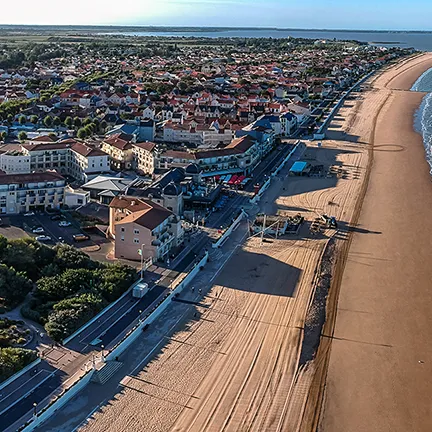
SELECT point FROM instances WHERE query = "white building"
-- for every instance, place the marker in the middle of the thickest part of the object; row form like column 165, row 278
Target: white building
column 20, row 193
column 14, row 162
column 68, row 157
column 86, row 160
column 202, row 135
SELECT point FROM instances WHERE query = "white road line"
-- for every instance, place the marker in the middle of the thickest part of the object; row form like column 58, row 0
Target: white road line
column 22, row 385
column 30, row 391
column 108, row 318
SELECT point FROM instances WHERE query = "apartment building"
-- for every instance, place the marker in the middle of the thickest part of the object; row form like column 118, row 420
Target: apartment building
column 144, row 154
column 201, row 135
column 21, row 193
column 240, row 156
column 14, row 162
column 69, row 157
column 85, row 161
column 48, row 156
column 119, row 148
column 140, row 224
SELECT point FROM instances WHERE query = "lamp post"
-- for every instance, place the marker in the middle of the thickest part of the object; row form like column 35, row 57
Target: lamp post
column 140, row 316
column 35, row 409
column 141, row 253
column 102, row 356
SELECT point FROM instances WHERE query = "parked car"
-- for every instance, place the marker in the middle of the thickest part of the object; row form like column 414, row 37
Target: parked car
column 43, row 238
column 29, row 214
column 56, row 217
column 64, row 224
column 38, row 230
column 80, row 237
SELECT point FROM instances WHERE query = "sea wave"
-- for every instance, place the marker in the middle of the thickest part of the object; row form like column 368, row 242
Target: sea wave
column 423, row 125
column 424, row 82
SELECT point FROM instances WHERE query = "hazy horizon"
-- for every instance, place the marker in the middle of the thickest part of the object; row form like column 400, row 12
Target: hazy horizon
column 367, row 15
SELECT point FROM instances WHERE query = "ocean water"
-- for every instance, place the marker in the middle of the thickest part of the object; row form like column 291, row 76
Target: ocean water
column 423, row 116
column 419, row 40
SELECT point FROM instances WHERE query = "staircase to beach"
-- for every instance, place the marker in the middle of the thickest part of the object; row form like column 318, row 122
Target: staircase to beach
column 106, row 372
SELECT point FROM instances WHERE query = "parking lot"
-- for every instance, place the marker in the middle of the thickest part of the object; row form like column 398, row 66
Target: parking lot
column 19, row 226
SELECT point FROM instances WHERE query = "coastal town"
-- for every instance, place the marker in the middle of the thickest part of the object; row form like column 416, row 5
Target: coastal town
column 131, row 173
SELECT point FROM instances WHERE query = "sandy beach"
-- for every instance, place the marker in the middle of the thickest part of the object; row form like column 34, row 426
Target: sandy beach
column 379, row 349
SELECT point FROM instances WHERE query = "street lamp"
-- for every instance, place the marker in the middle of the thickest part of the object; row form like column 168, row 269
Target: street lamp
column 141, row 253
column 35, row 409
column 140, row 315
column 103, row 358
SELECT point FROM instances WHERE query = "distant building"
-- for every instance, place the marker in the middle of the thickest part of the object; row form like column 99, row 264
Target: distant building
column 76, row 197
column 20, row 193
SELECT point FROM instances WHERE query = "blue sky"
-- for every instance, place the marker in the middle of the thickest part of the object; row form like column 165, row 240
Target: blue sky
column 335, row 14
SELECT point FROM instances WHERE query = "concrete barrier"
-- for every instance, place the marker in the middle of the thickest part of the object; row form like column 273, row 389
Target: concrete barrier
column 263, row 188
column 135, row 332
column 228, row 232
column 31, row 365
column 57, row 403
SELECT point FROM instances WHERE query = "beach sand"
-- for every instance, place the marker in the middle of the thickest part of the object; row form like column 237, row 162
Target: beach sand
column 380, row 351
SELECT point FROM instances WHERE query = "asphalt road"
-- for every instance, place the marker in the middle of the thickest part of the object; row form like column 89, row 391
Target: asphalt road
column 25, row 404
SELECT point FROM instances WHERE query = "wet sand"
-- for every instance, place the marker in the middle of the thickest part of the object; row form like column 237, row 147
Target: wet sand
column 380, row 360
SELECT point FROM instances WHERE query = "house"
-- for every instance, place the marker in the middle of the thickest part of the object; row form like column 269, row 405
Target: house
column 21, row 193
column 119, row 148
column 140, row 224
column 144, row 157
column 76, row 197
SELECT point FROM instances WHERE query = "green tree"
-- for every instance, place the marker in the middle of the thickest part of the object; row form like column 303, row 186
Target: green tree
column 82, row 133
column 34, row 119
column 14, row 359
column 103, row 125
column 56, row 121
column 22, row 120
column 3, row 136
column 69, row 122
column 69, row 257
column 22, row 136
column 77, row 122
column 13, row 286
column 48, row 121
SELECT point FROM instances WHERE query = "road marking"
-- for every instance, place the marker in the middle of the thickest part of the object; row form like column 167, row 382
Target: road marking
column 83, row 339
column 22, row 385
column 29, row 392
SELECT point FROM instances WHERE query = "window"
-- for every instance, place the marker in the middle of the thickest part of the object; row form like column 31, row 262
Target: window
column 122, row 238
column 122, row 229
column 136, row 240
column 136, row 231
